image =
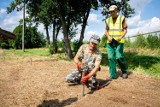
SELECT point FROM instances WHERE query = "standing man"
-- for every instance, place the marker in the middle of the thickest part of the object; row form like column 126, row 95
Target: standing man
column 116, row 29
column 88, row 59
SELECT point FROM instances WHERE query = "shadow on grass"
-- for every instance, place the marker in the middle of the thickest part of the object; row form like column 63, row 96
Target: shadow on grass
column 57, row 103
column 134, row 60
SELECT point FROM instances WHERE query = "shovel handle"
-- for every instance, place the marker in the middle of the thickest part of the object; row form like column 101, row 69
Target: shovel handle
column 83, row 89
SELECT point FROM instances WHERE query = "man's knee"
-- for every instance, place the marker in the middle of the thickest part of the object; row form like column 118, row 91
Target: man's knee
column 73, row 77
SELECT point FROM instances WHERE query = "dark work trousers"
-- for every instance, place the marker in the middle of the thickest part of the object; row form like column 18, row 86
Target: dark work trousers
column 115, row 53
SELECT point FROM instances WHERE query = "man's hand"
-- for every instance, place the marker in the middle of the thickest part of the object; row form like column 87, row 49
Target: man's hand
column 109, row 39
column 119, row 38
column 85, row 79
column 79, row 65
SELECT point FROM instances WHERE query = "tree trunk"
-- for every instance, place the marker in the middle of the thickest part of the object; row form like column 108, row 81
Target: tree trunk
column 47, row 33
column 54, row 38
column 85, row 18
column 67, row 46
column 58, row 29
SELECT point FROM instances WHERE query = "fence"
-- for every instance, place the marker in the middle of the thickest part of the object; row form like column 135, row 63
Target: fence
column 150, row 40
column 142, row 52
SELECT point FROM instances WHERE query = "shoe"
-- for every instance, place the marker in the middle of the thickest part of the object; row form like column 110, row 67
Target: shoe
column 125, row 76
column 94, row 86
column 110, row 78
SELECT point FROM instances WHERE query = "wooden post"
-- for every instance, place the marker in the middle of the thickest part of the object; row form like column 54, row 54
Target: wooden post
column 23, row 27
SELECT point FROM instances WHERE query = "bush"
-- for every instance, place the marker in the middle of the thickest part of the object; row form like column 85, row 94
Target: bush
column 32, row 38
column 152, row 42
column 51, row 49
column 75, row 45
column 103, row 42
column 4, row 45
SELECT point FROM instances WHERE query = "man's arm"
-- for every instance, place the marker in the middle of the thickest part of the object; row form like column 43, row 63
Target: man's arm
column 107, row 34
column 93, row 72
column 76, row 59
column 124, row 25
column 95, row 69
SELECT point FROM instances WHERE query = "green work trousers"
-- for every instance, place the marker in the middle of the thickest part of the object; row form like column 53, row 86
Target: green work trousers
column 115, row 53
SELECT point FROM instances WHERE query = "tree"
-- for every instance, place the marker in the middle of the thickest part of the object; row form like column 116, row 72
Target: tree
column 18, row 41
column 69, row 13
column 123, row 7
column 87, row 5
column 38, row 12
column 33, row 39
column 46, row 12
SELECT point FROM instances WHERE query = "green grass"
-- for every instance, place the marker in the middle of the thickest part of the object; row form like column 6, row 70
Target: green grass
column 136, row 60
column 13, row 54
column 37, row 52
column 139, row 61
column 28, row 52
column 145, row 63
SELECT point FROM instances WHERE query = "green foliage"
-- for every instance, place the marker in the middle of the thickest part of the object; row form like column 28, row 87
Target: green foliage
column 60, row 43
column 149, row 41
column 32, row 38
column 18, row 40
column 5, row 45
column 65, row 13
column 104, row 61
column 103, row 42
column 123, row 6
column 128, row 42
column 140, row 41
column 153, row 41
column 75, row 45
column 51, row 49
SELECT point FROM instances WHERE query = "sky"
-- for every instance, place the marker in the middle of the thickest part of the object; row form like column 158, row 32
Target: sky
column 146, row 19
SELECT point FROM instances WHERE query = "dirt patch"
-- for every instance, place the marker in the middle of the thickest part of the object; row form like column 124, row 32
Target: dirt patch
column 41, row 84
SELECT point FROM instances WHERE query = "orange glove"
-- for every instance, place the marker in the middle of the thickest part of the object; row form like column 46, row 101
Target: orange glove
column 85, row 79
column 79, row 64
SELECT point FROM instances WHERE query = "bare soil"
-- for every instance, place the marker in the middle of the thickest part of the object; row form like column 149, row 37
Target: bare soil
column 41, row 84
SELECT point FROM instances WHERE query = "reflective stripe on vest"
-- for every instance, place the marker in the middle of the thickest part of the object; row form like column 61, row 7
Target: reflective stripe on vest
column 115, row 29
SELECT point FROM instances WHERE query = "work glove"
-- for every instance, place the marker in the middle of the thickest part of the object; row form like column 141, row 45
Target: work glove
column 85, row 79
column 79, row 65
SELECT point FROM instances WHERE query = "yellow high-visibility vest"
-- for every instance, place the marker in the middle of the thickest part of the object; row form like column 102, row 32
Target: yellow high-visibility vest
column 115, row 29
